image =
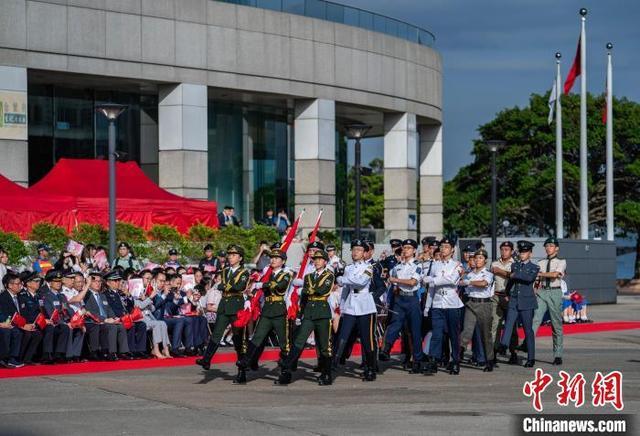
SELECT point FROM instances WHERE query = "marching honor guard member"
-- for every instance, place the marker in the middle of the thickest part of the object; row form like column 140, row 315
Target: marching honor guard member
column 358, row 308
column 522, row 300
column 273, row 316
column 234, row 280
column 314, row 316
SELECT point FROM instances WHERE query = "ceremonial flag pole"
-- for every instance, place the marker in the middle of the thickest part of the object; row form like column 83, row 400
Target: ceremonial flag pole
column 609, row 147
column 293, row 308
column 584, row 193
column 559, row 184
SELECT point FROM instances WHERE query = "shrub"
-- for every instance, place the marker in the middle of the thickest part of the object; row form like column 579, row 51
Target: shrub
column 162, row 232
column 12, row 243
column 264, row 233
column 200, row 232
column 129, row 233
column 90, row 234
column 328, row 237
column 54, row 236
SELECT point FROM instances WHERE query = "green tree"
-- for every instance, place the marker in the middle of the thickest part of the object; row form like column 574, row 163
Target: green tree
column 372, row 195
column 526, row 171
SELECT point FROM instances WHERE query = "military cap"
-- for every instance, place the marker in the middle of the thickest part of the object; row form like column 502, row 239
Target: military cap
column 69, row 273
column 207, row 247
column 316, row 244
column 235, row 249
column 331, row 247
column 469, row 249
column 552, row 240
column 320, row 254
column 43, row 247
column 525, row 246
column 427, row 240
column 395, row 243
column 173, row 252
column 448, row 240
column 278, row 253
column 358, row 243
column 53, row 275
column 275, row 246
column 125, row 245
column 30, row 276
column 370, row 245
column 112, row 275
column 94, row 273
column 411, row 242
column 221, row 253
column 482, row 253
column 434, row 243
column 507, row 244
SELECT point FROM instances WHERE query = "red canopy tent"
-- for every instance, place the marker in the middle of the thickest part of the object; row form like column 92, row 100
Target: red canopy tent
column 7, row 187
column 76, row 191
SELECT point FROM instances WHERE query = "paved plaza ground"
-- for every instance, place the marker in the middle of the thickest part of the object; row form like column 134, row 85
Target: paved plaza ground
column 186, row 401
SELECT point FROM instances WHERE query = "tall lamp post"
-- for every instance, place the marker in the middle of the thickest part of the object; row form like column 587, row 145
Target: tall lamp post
column 357, row 132
column 494, row 145
column 112, row 111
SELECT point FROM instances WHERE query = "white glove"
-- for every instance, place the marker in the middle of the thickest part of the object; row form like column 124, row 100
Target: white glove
column 426, row 312
column 428, row 280
column 298, row 322
column 247, row 305
column 298, row 282
column 258, row 285
column 340, row 280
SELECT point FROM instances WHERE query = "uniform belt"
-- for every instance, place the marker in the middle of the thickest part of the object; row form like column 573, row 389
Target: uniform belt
column 407, row 293
column 480, row 300
column 273, row 298
column 231, row 294
column 550, row 288
column 318, row 298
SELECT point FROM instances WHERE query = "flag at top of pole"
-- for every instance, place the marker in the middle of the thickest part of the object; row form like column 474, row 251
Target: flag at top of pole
column 575, row 70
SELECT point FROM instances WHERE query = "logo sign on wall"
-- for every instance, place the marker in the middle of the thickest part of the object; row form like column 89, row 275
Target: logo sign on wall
column 13, row 115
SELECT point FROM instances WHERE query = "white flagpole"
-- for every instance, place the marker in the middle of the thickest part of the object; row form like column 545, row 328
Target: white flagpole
column 584, row 193
column 609, row 149
column 559, row 188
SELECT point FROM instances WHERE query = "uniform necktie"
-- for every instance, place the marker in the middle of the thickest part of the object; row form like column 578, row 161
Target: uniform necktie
column 547, row 281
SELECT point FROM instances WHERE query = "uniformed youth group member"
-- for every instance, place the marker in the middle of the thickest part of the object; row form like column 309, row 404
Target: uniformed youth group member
column 500, row 302
column 273, row 316
column 314, row 315
column 549, row 295
column 522, row 299
column 234, row 281
column 358, row 308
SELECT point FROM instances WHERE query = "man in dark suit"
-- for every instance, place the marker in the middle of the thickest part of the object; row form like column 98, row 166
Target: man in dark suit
column 227, row 217
column 522, row 300
column 11, row 337
column 107, row 335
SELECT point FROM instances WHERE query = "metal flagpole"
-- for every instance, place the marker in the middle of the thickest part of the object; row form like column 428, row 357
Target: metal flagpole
column 609, row 149
column 559, row 188
column 584, row 193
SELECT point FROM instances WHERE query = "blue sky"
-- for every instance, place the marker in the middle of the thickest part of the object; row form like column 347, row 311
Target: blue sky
column 497, row 52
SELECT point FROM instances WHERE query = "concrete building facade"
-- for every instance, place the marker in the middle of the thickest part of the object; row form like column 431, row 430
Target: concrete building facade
column 239, row 104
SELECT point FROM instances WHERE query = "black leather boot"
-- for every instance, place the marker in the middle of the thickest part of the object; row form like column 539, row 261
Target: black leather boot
column 384, row 355
column 513, row 360
column 241, row 377
column 455, row 368
column 248, row 358
column 325, row 378
column 370, row 367
column 205, row 360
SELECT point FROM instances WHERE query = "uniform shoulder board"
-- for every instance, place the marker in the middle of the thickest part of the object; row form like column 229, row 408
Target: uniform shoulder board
column 369, row 271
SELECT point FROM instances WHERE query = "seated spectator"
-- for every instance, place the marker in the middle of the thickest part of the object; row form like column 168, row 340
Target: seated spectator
column 166, row 307
column 11, row 337
column 159, row 330
column 67, row 261
column 86, row 258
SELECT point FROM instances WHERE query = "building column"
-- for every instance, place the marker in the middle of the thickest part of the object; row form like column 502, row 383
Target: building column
column 182, row 139
column 149, row 142
column 400, row 184
column 431, row 183
column 14, row 134
column 315, row 167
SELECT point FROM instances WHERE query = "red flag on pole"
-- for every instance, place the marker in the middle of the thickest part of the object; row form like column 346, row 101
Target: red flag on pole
column 242, row 318
column 574, row 72
column 293, row 308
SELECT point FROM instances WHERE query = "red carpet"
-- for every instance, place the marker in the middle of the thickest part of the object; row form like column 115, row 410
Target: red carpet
column 229, row 356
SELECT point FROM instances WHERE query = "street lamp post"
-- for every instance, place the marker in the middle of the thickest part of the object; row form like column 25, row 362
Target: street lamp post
column 357, row 132
column 494, row 145
column 112, row 111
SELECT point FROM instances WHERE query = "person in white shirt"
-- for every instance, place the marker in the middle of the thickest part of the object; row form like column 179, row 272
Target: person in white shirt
column 358, row 308
column 406, row 277
column 445, row 304
column 478, row 285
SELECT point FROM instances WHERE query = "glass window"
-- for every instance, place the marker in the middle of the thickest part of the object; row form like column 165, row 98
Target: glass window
column 403, row 30
column 412, row 34
column 275, row 5
column 366, row 20
column 379, row 23
column 293, row 6
column 315, row 9
column 392, row 27
column 335, row 13
column 351, row 16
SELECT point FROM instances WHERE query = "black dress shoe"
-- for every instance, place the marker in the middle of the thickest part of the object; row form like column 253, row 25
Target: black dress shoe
column 111, row 357
column 455, row 369
column 126, row 356
column 284, row 378
column 241, row 377
column 557, row 361
column 178, row 354
column 530, row 364
column 488, row 367
column 416, row 368
column 513, row 360
column 204, row 364
column 384, row 356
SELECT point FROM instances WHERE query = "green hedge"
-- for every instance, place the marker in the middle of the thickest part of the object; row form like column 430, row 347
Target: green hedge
column 17, row 250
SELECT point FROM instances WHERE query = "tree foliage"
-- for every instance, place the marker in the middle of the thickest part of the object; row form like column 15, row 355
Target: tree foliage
column 526, row 171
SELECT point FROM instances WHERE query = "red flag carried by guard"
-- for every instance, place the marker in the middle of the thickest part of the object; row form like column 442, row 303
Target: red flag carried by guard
column 574, row 72
column 292, row 311
column 243, row 316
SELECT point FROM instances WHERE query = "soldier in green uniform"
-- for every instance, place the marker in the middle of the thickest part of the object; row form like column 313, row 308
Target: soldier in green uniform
column 314, row 316
column 274, row 311
column 234, row 280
